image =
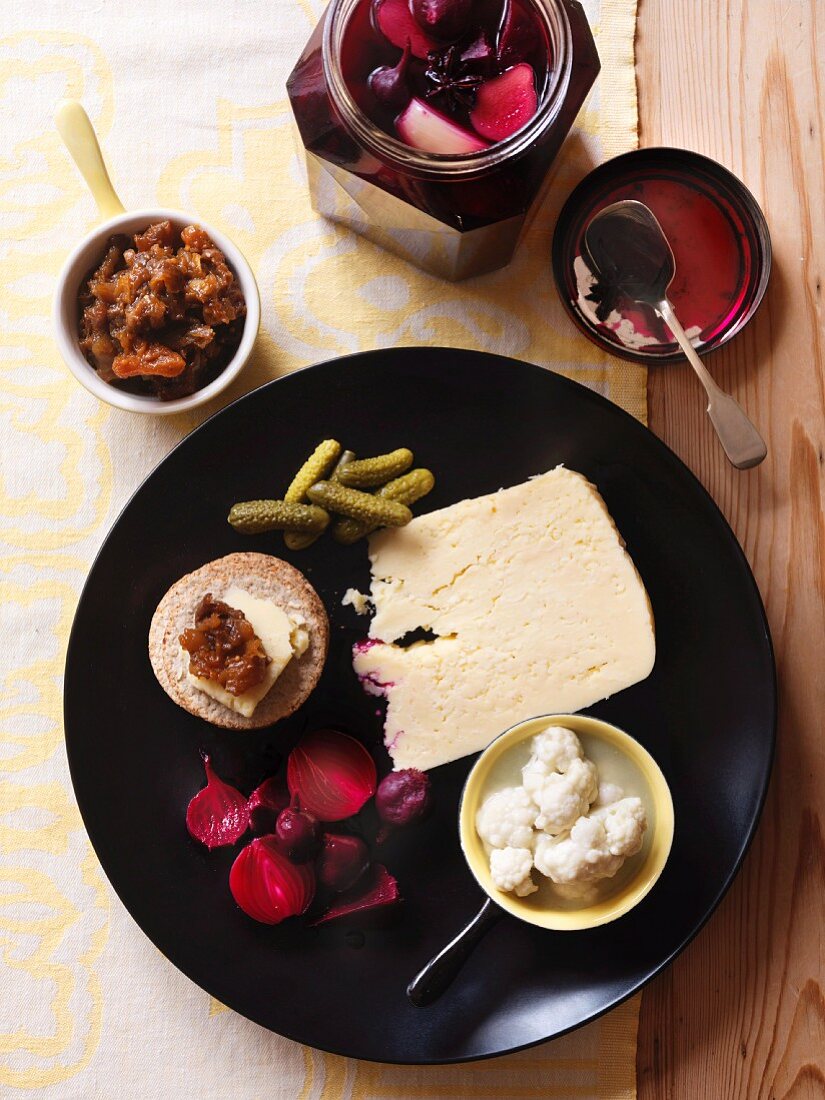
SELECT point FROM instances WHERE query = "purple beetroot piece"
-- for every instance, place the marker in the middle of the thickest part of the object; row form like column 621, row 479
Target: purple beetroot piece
column 341, row 861
column 376, row 890
column 265, row 803
column 446, row 20
column 395, row 21
column 403, row 797
column 298, row 834
column 389, row 84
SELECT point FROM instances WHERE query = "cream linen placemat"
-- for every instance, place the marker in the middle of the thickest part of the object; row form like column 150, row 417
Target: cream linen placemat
column 189, row 102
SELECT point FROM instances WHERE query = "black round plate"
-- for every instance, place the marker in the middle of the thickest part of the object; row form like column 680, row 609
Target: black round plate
column 706, row 713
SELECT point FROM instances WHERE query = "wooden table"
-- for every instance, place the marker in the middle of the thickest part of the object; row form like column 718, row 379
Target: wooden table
column 742, row 1012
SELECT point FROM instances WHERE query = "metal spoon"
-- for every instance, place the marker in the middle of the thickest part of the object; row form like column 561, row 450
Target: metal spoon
column 627, row 248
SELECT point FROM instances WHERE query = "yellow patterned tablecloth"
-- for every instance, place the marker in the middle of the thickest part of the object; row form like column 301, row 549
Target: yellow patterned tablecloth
column 189, row 102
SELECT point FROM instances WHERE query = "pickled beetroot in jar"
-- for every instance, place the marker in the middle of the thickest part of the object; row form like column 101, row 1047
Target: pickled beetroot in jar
column 429, row 126
column 447, row 76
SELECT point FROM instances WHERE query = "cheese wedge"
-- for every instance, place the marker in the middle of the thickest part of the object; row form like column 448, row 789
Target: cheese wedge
column 282, row 637
column 535, row 605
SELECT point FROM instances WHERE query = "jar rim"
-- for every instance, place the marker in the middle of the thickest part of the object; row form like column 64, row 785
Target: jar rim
column 404, row 157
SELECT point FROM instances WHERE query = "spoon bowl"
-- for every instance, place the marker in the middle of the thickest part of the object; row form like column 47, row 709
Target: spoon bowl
column 627, row 245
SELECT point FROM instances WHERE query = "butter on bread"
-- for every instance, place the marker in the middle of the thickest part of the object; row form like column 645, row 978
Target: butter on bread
column 262, row 577
column 535, row 605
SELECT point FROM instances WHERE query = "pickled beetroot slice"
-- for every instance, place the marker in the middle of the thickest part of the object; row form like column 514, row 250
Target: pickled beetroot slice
column 389, row 85
column 479, row 55
column 219, row 814
column 505, row 103
column 377, row 889
column 422, row 127
column 443, row 19
column 396, row 22
column 265, row 804
column 517, row 35
column 341, row 861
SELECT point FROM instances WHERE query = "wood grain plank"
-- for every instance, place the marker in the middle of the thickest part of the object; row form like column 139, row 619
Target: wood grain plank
column 742, row 1012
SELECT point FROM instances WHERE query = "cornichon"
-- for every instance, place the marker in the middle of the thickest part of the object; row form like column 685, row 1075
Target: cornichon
column 366, row 473
column 360, row 506
column 295, row 540
column 406, row 489
column 344, row 460
column 316, row 467
column 251, row 517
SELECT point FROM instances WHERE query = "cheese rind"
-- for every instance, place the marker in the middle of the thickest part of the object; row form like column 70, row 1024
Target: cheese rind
column 282, row 638
column 536, row 606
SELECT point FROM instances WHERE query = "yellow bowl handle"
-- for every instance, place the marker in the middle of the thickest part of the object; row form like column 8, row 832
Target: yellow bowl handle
column 75, row 127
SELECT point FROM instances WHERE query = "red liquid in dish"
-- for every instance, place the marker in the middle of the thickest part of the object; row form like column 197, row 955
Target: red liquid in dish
column 708, row 286
column 717, row 244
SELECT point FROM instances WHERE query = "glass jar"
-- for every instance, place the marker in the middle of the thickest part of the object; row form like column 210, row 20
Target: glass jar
column 451, row 215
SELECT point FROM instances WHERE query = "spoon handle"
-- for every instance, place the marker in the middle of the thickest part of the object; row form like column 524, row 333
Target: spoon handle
column 739, row 437
column 75, row 127
column 428, row 985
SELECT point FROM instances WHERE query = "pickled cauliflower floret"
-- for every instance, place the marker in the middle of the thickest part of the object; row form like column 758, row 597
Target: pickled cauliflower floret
column 505, row 819
column 624, row 823
column 608, row 794
column 556, row 747
column 561, row 797
column 597, row 845
column 585, row 893
column 563, row 822
column 510, row 869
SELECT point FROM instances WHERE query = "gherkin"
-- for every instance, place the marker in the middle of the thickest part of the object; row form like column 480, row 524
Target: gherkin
column 360, row 506
column 367, row 473
column 316, row 468
column 406, row 489
column 252, row 517
column 319, row 464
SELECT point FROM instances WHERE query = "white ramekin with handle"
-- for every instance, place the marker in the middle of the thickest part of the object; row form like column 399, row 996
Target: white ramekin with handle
column 78, row 134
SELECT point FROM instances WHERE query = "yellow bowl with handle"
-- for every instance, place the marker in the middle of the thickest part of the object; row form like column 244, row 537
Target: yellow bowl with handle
column 634, row 769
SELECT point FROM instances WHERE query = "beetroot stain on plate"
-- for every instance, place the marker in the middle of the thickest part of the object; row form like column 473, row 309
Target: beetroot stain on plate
column 218, row 815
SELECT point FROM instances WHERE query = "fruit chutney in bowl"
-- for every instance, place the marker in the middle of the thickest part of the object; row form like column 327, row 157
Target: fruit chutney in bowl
column 429, row 125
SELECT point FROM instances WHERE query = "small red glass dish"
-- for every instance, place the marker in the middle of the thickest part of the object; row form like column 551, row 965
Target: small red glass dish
column 719, row 238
